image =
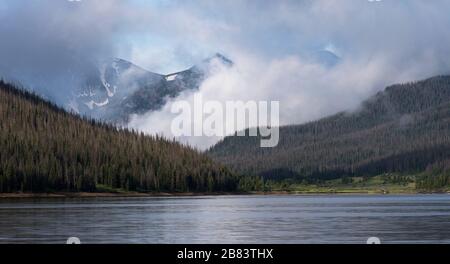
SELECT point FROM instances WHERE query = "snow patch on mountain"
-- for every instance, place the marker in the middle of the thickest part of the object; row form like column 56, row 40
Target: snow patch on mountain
column 171, row 77
column 91, row 104
column 104, row 82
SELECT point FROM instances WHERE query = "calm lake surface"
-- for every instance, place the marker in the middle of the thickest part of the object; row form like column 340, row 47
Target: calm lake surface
column 228, row 219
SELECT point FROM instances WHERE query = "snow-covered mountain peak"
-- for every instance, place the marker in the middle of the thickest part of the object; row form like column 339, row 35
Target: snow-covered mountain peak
column 118, row 88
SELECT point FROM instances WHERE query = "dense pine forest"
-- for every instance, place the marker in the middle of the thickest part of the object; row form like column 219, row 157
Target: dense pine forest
column 403, row 129
column 43, row 148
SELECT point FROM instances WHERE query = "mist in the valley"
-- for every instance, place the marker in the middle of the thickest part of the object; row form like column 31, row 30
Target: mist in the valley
column 314, row 57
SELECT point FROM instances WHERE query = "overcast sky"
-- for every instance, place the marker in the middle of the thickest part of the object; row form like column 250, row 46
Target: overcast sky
column 271, row 42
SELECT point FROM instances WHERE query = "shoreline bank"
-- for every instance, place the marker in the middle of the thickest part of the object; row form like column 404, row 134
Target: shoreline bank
column 192, row 194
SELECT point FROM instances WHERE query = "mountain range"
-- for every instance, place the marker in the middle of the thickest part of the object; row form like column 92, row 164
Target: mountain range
column 404, row 129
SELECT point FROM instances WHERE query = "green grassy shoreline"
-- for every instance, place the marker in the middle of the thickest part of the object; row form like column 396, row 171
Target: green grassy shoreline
column 378, row 185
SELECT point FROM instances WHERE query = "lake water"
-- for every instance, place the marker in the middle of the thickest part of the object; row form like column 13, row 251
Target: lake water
column 229, row 219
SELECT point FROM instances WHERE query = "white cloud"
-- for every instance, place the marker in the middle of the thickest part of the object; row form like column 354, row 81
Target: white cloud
column 305, row 90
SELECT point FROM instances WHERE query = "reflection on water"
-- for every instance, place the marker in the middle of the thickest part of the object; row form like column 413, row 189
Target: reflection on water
column 228, row 219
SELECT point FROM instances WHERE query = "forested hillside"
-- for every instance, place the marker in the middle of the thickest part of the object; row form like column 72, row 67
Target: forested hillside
column 405, row 129
column 43, row 148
